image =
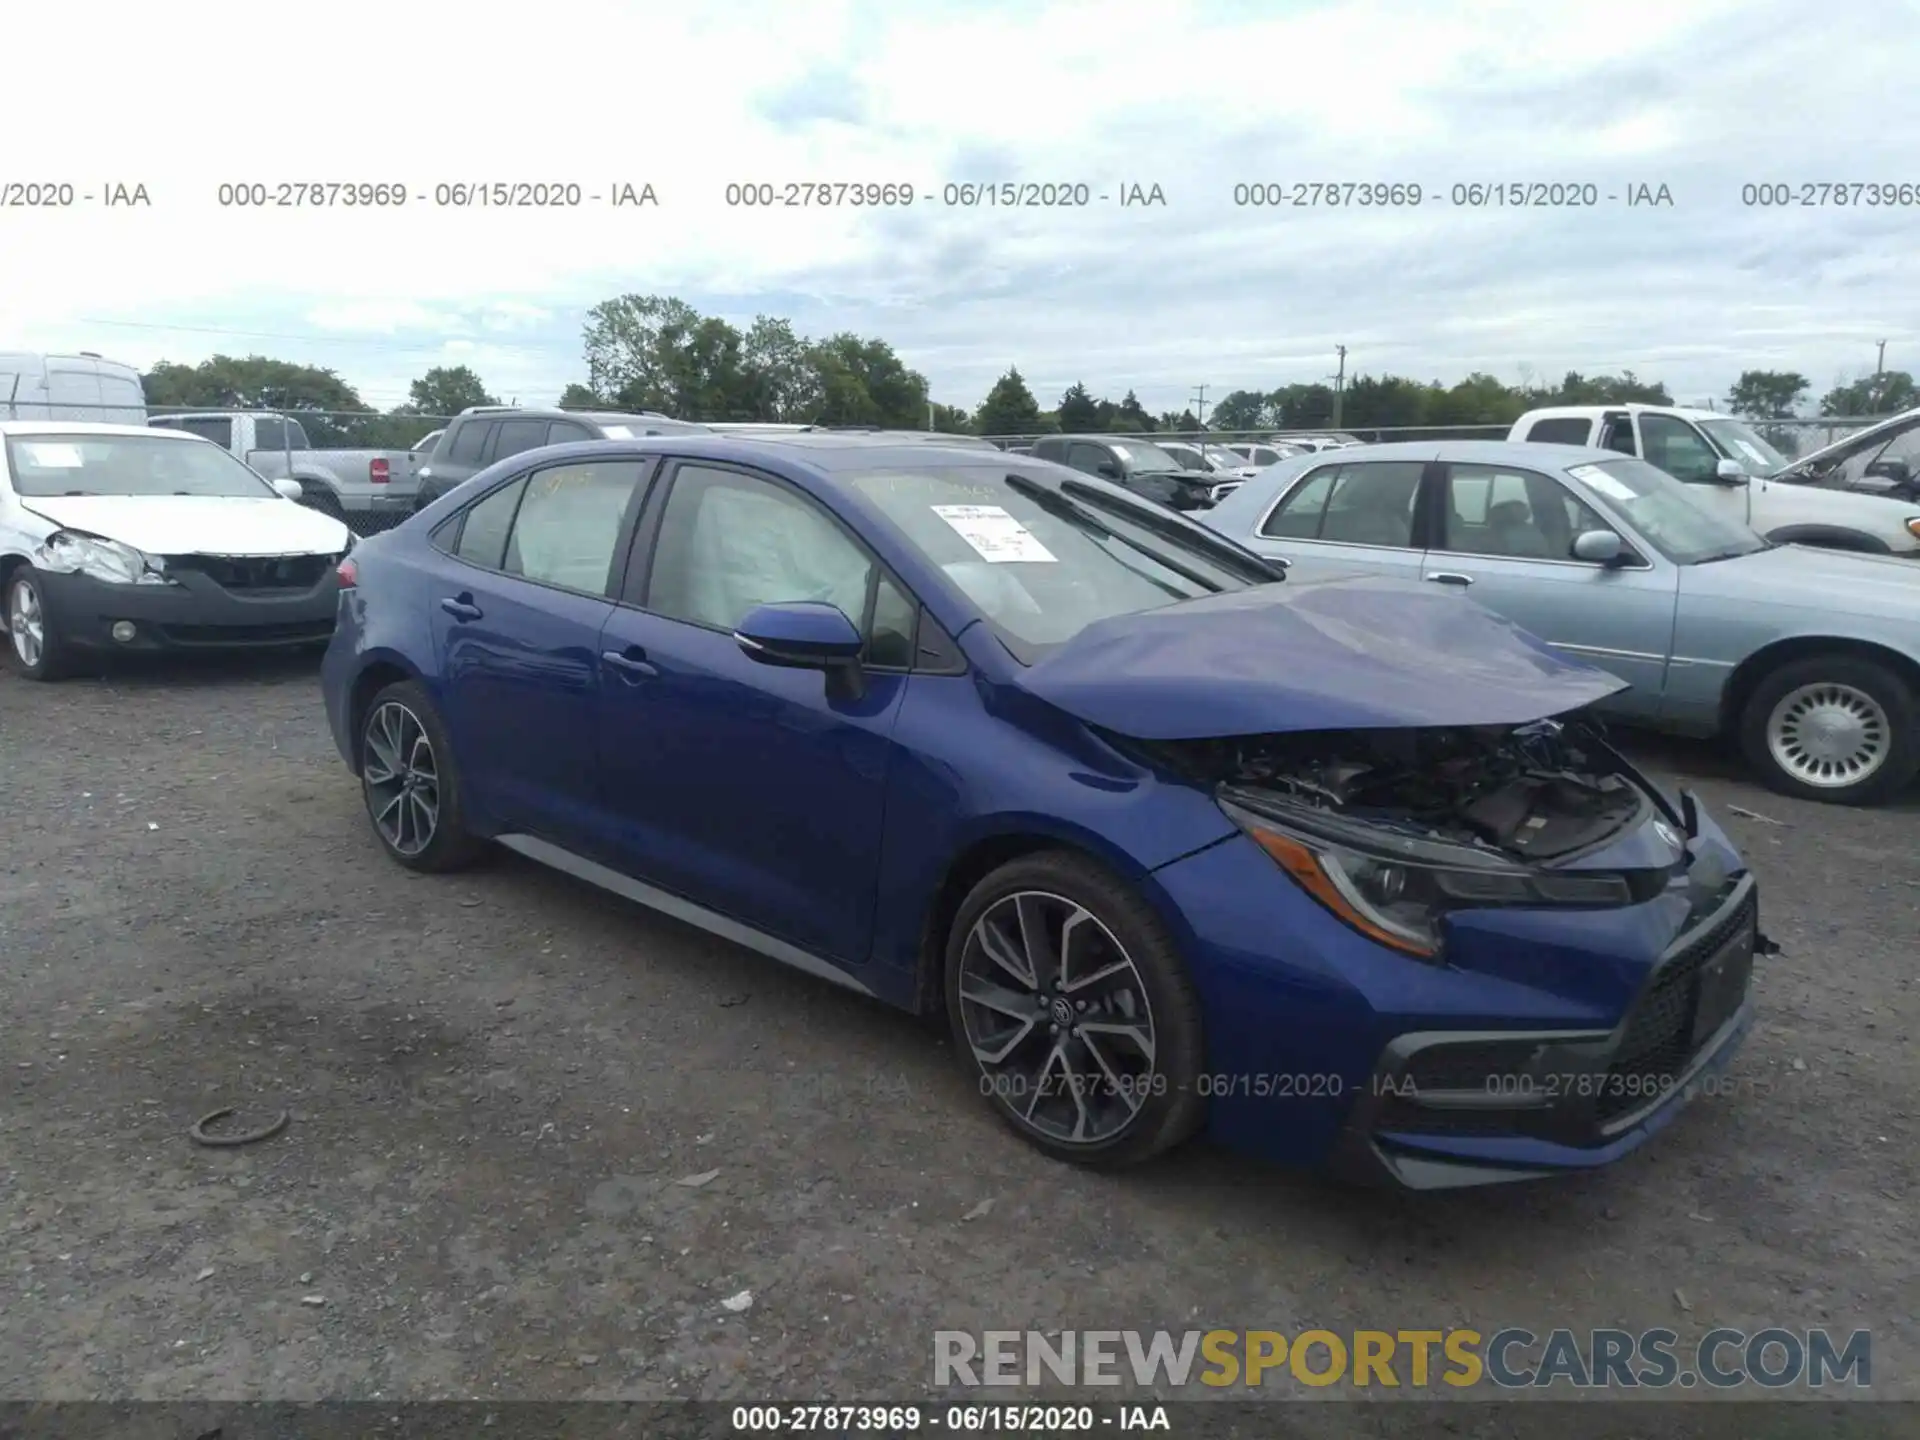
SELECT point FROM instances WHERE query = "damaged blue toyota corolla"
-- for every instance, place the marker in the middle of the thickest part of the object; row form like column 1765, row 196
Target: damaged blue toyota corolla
column 1336, row 871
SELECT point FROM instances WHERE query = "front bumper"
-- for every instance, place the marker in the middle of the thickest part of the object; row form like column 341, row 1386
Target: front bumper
column 1453, row 1108
column 380, row 502
column 193, row 613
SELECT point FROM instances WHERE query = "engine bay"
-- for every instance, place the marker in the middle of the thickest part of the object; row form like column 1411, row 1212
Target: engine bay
column 1532, row 792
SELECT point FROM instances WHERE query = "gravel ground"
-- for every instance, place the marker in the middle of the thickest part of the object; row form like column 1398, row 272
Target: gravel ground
column 538, row 1135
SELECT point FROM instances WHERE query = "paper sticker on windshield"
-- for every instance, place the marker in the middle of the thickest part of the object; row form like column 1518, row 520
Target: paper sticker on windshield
column 993, row 533
column 1597, row 479
column 54, row 457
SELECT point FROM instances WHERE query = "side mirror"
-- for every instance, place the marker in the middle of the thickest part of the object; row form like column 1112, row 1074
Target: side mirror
column 800, row 635
column 1599, row 547
column 289, row 489
column 1898, row 471
column 1107, row 470
column 1730, row 472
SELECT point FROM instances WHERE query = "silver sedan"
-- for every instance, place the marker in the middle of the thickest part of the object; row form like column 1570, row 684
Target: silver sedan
column 1808, row 659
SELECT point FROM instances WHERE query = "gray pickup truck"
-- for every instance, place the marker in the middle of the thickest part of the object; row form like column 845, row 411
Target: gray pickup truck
column 369, row 489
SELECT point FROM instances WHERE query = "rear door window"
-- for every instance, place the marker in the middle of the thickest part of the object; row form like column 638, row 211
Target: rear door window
column 1564, row 430
column 519, row 436
column 217, row 428
column 470, row 442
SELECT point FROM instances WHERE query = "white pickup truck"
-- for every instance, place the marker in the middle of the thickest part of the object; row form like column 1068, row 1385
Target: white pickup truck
column 1725, row 463
column 369, row 489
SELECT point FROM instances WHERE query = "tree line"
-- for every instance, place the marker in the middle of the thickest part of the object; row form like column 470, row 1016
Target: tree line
column 652, row 352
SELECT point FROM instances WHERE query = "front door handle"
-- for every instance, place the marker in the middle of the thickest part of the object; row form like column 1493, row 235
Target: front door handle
column 461, row 608
column 631, row 662
column 1451, row 577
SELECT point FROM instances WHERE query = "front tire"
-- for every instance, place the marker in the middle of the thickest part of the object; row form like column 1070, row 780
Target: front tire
column 1835, row 728
column 411, row 783
column 1074, row 1012
column 34, row 641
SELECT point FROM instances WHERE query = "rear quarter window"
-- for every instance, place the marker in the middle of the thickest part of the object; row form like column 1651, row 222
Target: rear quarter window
column 1567, row 430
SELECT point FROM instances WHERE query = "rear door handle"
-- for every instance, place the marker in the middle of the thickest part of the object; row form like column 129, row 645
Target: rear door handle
column 631, row 662
column 1451, row 577
column 462, row 608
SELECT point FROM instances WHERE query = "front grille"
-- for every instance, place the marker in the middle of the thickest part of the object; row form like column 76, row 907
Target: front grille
column 1476, row 1066
column 1399, row 1114
column 295, row 633
column 1659, row 1040
column 257, row 575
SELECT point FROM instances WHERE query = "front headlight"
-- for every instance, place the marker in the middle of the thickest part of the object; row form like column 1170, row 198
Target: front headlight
column 68, row 552
column 1913, row 526
column 1396, row 888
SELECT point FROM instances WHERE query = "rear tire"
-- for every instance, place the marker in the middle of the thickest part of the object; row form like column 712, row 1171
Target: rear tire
column 34, row 642
column 1835, row 728
column 411, row 782
column 1089, row 1043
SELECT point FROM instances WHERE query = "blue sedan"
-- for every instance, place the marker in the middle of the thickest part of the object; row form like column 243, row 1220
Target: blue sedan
column 1336, row 870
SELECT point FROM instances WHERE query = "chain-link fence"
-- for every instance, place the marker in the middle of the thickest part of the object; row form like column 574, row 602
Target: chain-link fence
column 1792, row 437
column 364, row 465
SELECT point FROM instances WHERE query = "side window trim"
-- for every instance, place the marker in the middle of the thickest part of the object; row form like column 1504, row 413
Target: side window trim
column 1446, row 469
column 623, row 538
column 646, row 542
column 1332, row 470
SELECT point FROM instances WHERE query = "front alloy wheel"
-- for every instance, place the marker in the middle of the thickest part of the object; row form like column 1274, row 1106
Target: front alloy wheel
column 36, row 645
column 1074, row 1012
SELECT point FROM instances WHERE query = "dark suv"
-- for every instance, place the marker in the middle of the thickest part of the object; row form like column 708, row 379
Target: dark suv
column 482, row 434
column 1138, row 464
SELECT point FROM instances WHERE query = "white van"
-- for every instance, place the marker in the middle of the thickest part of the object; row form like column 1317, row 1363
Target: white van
column 80, row 387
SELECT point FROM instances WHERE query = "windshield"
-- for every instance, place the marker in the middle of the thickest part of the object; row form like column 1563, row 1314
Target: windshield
column 91, row 464
column 1144, row 459
column 1660, row 509
column 1042, row 566
column 1743, row 443
column 1222, row 456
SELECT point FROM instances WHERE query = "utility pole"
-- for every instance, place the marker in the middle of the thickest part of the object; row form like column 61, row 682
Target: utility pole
column 1339, row 384
column 1880, row 365
column 930, row 424
column 1200, row 403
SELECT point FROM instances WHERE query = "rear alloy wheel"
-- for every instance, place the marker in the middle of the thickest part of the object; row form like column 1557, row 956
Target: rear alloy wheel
column 1074, row 1012
column 411, row 787
column 37, row 647
column 1839, row 729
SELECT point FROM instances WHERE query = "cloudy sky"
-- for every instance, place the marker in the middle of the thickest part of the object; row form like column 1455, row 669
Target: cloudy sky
column 1700, row 96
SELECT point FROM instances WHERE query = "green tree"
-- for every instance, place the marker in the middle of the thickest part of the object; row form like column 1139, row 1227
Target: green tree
column 1183, row 422
column 1301, row 407
column 1767, row 394
column 863, row 382
column 1242, row 410
column 782, row 382
column 952, row 420
column 654, row 352
column 1009, row 408
column 1391, row 401
column 1079, row 412
column 329, row 409
column 1133, row 415
column 446, row 390
column 1887, row 393
column 580, row 397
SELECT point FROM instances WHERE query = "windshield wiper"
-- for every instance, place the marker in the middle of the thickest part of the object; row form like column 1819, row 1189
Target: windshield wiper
column 1171, row 529
column 1057, row 504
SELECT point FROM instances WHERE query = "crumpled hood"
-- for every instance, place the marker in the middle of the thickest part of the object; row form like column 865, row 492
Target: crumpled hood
column 196, row 524
column 1345, row 653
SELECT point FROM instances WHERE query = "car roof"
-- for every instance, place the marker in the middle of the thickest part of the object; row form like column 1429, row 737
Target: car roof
column 87, row 427
column 1532, row 455
column 1632, row 407
column 818, row 452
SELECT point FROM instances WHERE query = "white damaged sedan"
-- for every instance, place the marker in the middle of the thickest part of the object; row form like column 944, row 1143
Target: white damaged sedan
column 116, row 537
